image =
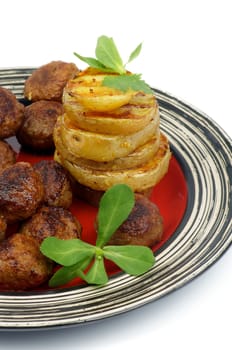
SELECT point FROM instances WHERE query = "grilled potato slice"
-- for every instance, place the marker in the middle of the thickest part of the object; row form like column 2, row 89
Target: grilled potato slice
column 139, row 178
column 141, row 155
column 102, row 147
column 124, row 120
column 88, row 90
column 131, row 119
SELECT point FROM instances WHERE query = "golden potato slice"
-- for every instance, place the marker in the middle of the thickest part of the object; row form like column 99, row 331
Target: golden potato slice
column 88, row 90
column 110, row 124
column 102, row 147
column 139, row 178
column 141, row 155
column 125, row 120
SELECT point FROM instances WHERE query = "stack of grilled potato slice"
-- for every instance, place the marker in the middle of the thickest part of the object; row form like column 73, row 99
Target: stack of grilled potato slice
column 107, row 136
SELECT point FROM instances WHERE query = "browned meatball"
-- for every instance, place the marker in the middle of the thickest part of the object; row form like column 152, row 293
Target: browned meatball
column 48, row 81
column 7, row 155
column 22, row 265
column 57, row 187
column 144, row 226
column 3, row 226
column 11, row 113
column 21, row 191
column 52, row 221
column 36, row 131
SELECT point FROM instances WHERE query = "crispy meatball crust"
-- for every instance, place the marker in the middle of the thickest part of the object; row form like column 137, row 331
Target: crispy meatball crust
column 57, row 187
column 48, row 81
column 52, row 221
column 144, row 226
column 11, row 113
column 3, row 227
column 22, row 265
column 7, row 155
column 36, row 130
column 21, row 191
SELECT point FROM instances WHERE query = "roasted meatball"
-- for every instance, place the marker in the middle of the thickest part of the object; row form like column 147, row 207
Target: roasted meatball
column 7, row 155
column 21, row 191
column 22, row 265
column 57, row 187
column 3, row 226
column 11, row 113
column 36, row 131
column 48, row 81
column 144, row 225
column 52, row 221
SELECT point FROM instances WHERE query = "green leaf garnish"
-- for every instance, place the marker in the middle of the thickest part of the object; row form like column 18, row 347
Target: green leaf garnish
column 115, row 206
column 66, row 252
column 67, row 273
column 135, row 53
column 77, row 256
column 97, row 273
column 92, row 62
column 107, row 53
column 134, row 260
column 127, row 82
column 109, row 60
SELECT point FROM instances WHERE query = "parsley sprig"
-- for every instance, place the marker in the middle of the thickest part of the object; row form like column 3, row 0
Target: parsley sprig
column 77, row 256
column 109, row 60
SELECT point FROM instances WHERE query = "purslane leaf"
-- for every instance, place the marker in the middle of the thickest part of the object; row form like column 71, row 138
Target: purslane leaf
column 133, row 259
column 127, row 82
column 135, row 53
column 66, row 252
column 92, row 62
column 107, row 53
column 114, row 208
column 97, row 273
column 67, row 273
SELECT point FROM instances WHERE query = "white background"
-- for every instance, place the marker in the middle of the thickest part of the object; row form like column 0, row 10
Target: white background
column 187, row 52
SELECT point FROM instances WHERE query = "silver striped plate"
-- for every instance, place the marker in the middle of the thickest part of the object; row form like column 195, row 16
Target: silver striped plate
column 205, row 154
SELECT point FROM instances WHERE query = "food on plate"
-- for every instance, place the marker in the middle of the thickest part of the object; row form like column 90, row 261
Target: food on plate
column 11, row 113
column 50, row 222
column 144, row 225
column 109, row 132
column 36, row 129
column 139, row 178
column 3, row 227
column 97, row 160
column 22, row 265
column 107, row 139
column 57, row 186
column 7, row 155
column 21, row 191
column 130, row 116
column 140, row 156
column 48, row 81
column 85, row 260
column 101, row 147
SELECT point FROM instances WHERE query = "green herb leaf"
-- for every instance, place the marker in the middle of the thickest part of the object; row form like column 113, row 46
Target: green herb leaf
column 67, row 273
column 107, row 53
column 66, row 252
column 92, row 62
column 134, row 260
column 109, row 60
column 97, row 273
column 114, row 208
column 135, row 53
column 127, row 82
